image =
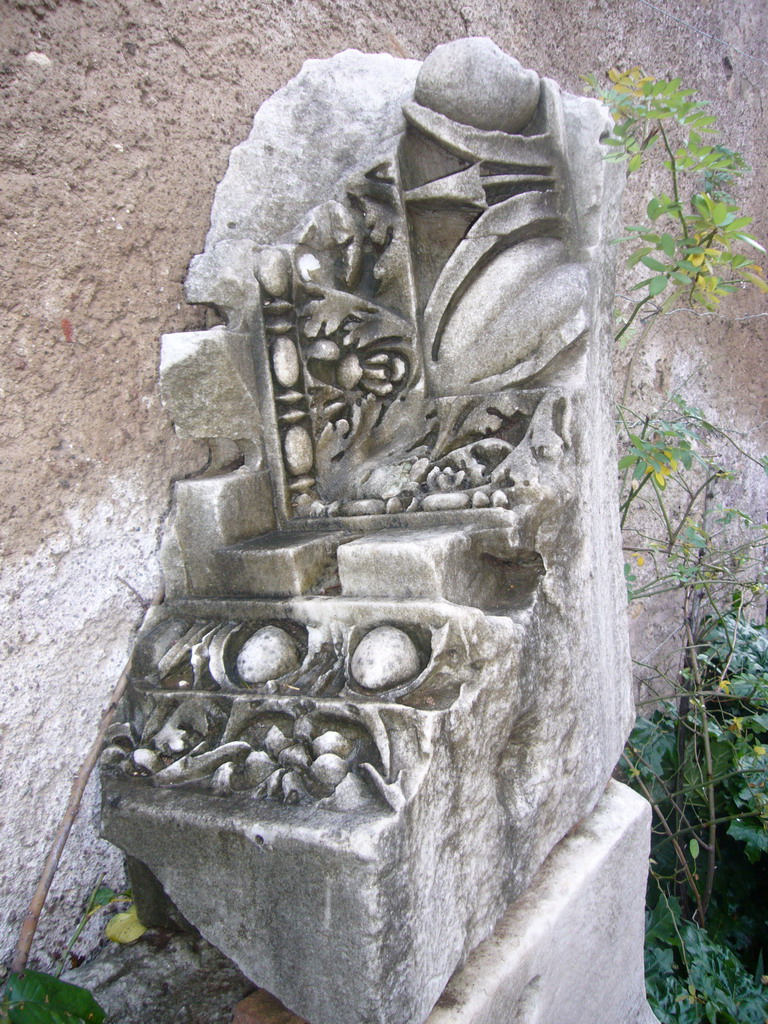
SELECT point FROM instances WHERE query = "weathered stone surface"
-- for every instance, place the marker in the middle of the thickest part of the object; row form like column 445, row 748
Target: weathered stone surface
column 460, row 691
column 208, row 385
column 571, row 949
column 163, row 979
column 208, row 514
column 246, row 215
column 281, row 564
column 384, row 658
column 268, row 654
column 467, row 565
column 476, row 83
column 88, row 450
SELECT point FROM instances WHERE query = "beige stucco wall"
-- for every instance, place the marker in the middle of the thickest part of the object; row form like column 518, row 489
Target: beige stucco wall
column 112, row 144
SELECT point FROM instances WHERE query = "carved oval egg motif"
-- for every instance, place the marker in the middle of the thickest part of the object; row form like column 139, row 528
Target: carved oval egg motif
column 384, row 658
column 349, row 371
column 285, row 361
column 273, row 271
column 330, row 742
column 298, row 451
column 329, row 770
column 268, row 654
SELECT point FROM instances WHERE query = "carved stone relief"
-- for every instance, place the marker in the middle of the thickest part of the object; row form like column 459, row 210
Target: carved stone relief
column 391, row 670
column 445, row 273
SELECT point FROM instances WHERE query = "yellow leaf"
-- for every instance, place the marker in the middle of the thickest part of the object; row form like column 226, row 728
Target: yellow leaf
column 759, row 751
column 125, row 927
column 756, row 281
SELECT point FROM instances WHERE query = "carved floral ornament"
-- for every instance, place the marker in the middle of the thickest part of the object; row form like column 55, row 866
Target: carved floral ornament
column 392, row 619
column 290, row 751
column 241, row 706
column 413, row 340
column 410, row 332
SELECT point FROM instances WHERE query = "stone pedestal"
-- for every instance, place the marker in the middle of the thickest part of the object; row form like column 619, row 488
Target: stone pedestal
column 570, row 951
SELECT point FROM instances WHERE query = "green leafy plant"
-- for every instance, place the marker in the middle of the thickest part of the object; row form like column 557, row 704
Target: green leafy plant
column 693, row 244
column 699, row 751
column 703, row 765
column 35, row 997
column 673, row 462
column 100, row 898
column 699, row 754
column 690, row 977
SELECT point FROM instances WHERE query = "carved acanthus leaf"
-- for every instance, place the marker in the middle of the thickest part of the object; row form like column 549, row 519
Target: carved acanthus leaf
column 326, row 314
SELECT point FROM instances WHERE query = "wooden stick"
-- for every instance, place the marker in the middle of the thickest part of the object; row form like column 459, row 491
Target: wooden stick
column 32, row 917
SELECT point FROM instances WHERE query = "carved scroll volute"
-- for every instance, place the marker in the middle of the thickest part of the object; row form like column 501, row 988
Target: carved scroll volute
column 499, row 295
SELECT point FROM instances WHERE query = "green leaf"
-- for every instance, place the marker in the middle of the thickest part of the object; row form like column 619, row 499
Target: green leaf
column 103, row 896
column 750, row 241
column 719, row 213
column 679, row 278
column 667, row 245
column 754, row 836
column 758, row 281
column 636, row 162
column 634, row 258
column 653, row 264
column 740, row 223
column 37, row 998
column 663, row 921
column 693, row 846
column 657, row 285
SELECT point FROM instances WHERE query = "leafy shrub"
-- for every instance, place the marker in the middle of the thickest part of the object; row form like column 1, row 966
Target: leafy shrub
column 703, row 764
column 700, row 755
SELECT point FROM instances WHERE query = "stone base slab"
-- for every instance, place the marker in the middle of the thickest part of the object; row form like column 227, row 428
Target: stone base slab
column 570, row 951
column 567, row 952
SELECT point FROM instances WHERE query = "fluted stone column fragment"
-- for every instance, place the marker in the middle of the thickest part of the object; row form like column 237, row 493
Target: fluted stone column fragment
column 392, row 670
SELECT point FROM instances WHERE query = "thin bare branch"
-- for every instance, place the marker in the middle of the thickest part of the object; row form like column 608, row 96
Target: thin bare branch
column 32, row 916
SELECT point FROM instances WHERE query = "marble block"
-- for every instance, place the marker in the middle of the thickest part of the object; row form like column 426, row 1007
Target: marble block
column 392, row 669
